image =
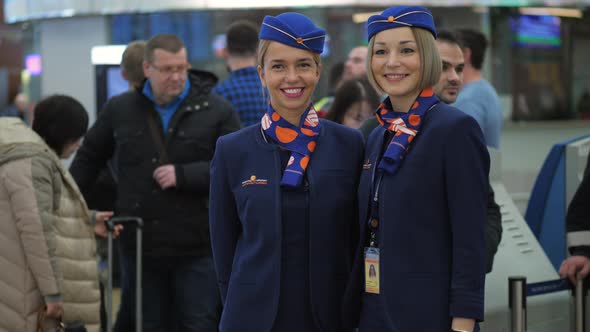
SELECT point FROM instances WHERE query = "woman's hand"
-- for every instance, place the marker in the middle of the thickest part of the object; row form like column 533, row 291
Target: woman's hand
column 54, row 310
column 463, row 324
column 103, row 216
column 100, row 228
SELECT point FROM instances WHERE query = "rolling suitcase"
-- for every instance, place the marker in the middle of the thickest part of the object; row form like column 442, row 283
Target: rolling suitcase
column 111, row 223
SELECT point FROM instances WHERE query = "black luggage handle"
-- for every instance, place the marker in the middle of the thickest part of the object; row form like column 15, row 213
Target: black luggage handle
column 112, row 222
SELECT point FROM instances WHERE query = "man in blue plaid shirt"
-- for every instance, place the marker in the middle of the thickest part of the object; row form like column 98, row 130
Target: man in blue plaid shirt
column 243, row 88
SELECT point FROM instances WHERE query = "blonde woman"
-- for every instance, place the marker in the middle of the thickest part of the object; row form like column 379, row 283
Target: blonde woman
column 283, row 197
column 422, row 194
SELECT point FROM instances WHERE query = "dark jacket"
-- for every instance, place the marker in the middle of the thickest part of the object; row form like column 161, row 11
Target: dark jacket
column 431, row 229
column 246, row 225
column 493, row 232
column 176, row 220
column 578, row 218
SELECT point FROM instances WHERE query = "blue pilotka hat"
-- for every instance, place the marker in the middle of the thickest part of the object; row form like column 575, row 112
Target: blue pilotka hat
column 293, row 29
column 401, row 16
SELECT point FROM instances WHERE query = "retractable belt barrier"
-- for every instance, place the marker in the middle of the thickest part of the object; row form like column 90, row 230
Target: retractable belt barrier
column 519, row 290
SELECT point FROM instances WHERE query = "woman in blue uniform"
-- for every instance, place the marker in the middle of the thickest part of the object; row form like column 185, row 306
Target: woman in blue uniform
column 422, row 195
column 283, row 200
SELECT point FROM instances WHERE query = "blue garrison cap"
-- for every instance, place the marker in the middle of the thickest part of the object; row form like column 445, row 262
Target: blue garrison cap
column 401, row 16
column 295, row 30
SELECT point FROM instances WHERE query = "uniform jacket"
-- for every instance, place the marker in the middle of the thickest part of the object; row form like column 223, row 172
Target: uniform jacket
column 245, row 220
column 493, row 230
column 432, row 213
column 176, row 221
column 47, row 244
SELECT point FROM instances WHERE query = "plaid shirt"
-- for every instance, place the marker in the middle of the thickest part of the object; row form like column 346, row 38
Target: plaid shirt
column 244, row 91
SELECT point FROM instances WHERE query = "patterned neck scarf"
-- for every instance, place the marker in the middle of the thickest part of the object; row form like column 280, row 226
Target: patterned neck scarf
column 301, row 141
column 404, row 125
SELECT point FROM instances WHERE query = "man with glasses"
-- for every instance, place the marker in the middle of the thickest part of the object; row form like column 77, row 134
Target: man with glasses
column 164, row 135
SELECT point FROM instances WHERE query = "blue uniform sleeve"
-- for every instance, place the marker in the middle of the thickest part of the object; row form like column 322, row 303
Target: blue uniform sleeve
column 466, row 175
column 224, row 222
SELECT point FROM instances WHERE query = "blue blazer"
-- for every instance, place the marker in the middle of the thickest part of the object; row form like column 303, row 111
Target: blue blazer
column 432, row 214
column 245, row 225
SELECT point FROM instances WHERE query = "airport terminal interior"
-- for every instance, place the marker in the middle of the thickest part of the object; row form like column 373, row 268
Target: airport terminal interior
column 537, row 61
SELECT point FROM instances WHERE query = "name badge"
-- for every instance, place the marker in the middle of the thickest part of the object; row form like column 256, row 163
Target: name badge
column 372, row 270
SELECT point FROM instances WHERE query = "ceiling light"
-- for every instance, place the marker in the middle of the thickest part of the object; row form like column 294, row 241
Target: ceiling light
column 363, row 17
column 551, row 11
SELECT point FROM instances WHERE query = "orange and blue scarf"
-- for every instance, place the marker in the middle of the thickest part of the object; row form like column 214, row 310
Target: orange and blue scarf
column 301, row 141
column 405, row 126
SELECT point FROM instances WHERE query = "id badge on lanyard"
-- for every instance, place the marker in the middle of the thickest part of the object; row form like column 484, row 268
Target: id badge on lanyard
column 372, row 274
column 372, row 270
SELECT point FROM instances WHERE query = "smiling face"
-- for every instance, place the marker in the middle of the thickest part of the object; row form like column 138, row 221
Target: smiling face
column 290, row 74
column 451, row 78
column 395, row 65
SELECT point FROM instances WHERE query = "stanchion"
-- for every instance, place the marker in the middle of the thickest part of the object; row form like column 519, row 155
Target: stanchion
column 517, row 303
column 580, row 306
column 519, row 290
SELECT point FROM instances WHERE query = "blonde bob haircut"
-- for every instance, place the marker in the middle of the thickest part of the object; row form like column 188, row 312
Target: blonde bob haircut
column 430, row 62
column 263, row 47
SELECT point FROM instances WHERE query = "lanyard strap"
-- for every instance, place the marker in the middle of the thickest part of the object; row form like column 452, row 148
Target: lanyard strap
column 376, row 179
column 374, row 207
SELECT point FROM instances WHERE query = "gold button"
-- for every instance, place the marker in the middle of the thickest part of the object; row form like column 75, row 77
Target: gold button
column 374, row 222
column 391, row 19
column 299, row 40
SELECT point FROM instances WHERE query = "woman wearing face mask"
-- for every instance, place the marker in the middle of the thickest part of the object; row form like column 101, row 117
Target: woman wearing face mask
column 283, row 193
column 422, row 195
